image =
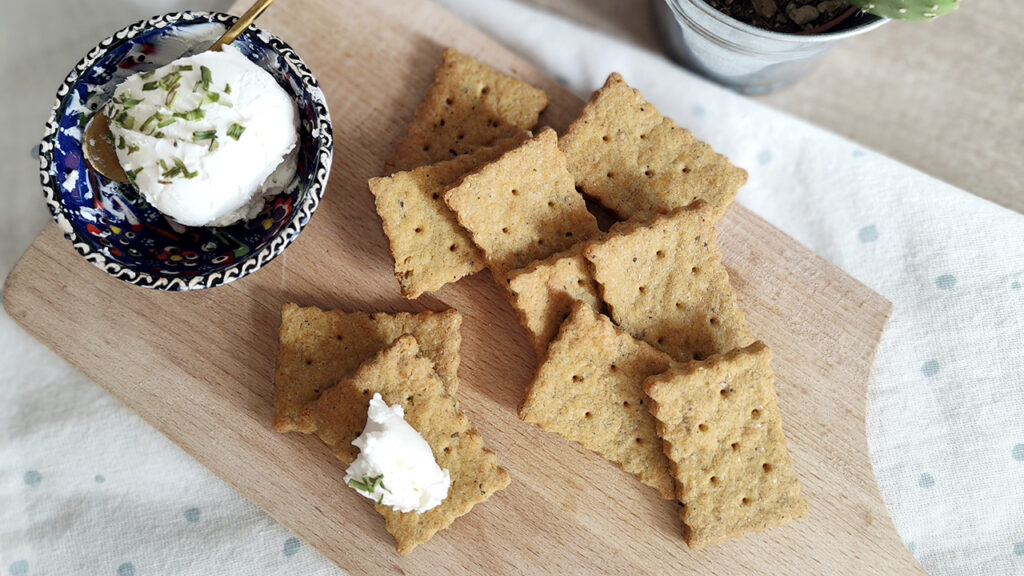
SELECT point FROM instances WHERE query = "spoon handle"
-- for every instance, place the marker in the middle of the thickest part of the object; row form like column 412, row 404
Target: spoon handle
column 242, row 23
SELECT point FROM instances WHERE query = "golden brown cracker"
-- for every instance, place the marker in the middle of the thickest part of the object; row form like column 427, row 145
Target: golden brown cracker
column 590, row 390
column 523, row 206
column 403, row 377
column 664, row 282
column 637, row 163
column 544, row 292
column 320, row 347
column 722, row 429
column 469, row 105
column 428, row 246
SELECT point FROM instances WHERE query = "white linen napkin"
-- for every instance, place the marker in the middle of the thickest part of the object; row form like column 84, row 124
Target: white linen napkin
column 87, row 487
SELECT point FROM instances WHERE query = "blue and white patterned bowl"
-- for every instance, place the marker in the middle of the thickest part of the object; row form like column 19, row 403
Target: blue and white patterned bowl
column 113, row 227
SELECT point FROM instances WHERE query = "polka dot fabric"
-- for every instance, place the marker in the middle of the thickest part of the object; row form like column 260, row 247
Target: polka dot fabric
column 88, row 488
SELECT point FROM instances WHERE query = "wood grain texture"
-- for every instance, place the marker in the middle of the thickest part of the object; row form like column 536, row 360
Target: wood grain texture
column 199, row 366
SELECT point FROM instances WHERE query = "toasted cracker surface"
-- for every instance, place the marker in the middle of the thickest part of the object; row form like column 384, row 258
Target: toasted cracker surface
column 664, row 282
column 544, row 292
column 469, row 105
column 317, row 348
column 722, row 429
column 428, row 246
column 590, row 390
column 637, row 163
column 403, row 377
column 523, row 206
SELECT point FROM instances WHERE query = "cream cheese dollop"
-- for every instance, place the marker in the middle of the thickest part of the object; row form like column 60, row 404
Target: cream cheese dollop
column 396, row 466
column 205, row 138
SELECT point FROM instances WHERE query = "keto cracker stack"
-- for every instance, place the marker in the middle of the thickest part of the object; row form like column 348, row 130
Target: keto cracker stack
column 646, row 357
column 404, row 378
column 722, row 429
column 330, row 363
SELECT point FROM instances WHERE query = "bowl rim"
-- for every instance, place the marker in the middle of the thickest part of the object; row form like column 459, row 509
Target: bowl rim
column 322, row 135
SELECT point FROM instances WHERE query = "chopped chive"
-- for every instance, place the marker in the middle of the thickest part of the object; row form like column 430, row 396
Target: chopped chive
column 131, row 174
column 149, row 74
column 128, row 102
column 150, row 86
column 132, row 149
column 172, row 172
column 227, row 88
column 179, row 167
column 214, row 144
column 235, row 131
column 170, row 80
column 199, row 136
column 120, row 142
column 126, row 121
column 369, row 484
column 158, row 134
column 195, row 88
column 207, row 77
column 192, row 115
column 163, row 165
column 172, row 96
column 149, row 122
column 165, row 121
column 210, row 98
column 183, row 68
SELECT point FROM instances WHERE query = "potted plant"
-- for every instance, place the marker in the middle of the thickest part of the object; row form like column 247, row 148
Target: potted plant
column 756, row 46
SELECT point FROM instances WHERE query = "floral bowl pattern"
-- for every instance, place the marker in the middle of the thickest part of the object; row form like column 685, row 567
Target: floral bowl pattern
column 113, row 227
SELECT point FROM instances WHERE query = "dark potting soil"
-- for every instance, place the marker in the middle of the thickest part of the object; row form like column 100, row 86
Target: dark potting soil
column 787, row 16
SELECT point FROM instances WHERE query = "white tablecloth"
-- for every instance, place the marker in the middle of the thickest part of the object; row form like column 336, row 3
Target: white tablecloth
column 86, row 487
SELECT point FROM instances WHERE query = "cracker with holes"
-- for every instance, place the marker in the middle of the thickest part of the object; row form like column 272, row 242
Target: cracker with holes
column 523, row 206
column 638, row 163
column 590, row 390
column 469, row 105
column 317, row 348
column 720, row 422
column 544, row 292
column 402, row 376
column 664, row 282
column 428, row 246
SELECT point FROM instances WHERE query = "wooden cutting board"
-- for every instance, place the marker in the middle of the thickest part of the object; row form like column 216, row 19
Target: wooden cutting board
column 199, row 366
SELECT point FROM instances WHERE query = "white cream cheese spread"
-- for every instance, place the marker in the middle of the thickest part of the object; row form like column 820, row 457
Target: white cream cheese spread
column 395, row 466
column 205, row 138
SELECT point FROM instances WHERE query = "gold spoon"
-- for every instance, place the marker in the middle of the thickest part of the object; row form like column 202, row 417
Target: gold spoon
column 100, row 153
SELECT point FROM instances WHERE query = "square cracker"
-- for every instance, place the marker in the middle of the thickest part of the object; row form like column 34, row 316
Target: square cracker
column 402, row 377
column 428, row 246
column 469, row 105
column 523, row 206
column 320, row 347
column 544, row 292
column 664, row 282
column 637, row 163
column 721, row 427
column 590, row 390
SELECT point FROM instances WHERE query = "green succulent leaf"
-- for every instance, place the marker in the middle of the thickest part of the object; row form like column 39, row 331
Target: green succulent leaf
column 907, row 9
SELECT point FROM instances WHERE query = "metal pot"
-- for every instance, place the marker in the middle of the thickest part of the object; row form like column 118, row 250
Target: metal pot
column 745, row 58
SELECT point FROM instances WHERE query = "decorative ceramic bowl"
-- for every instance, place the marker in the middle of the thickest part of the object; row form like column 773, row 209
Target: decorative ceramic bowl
column 113, row 227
